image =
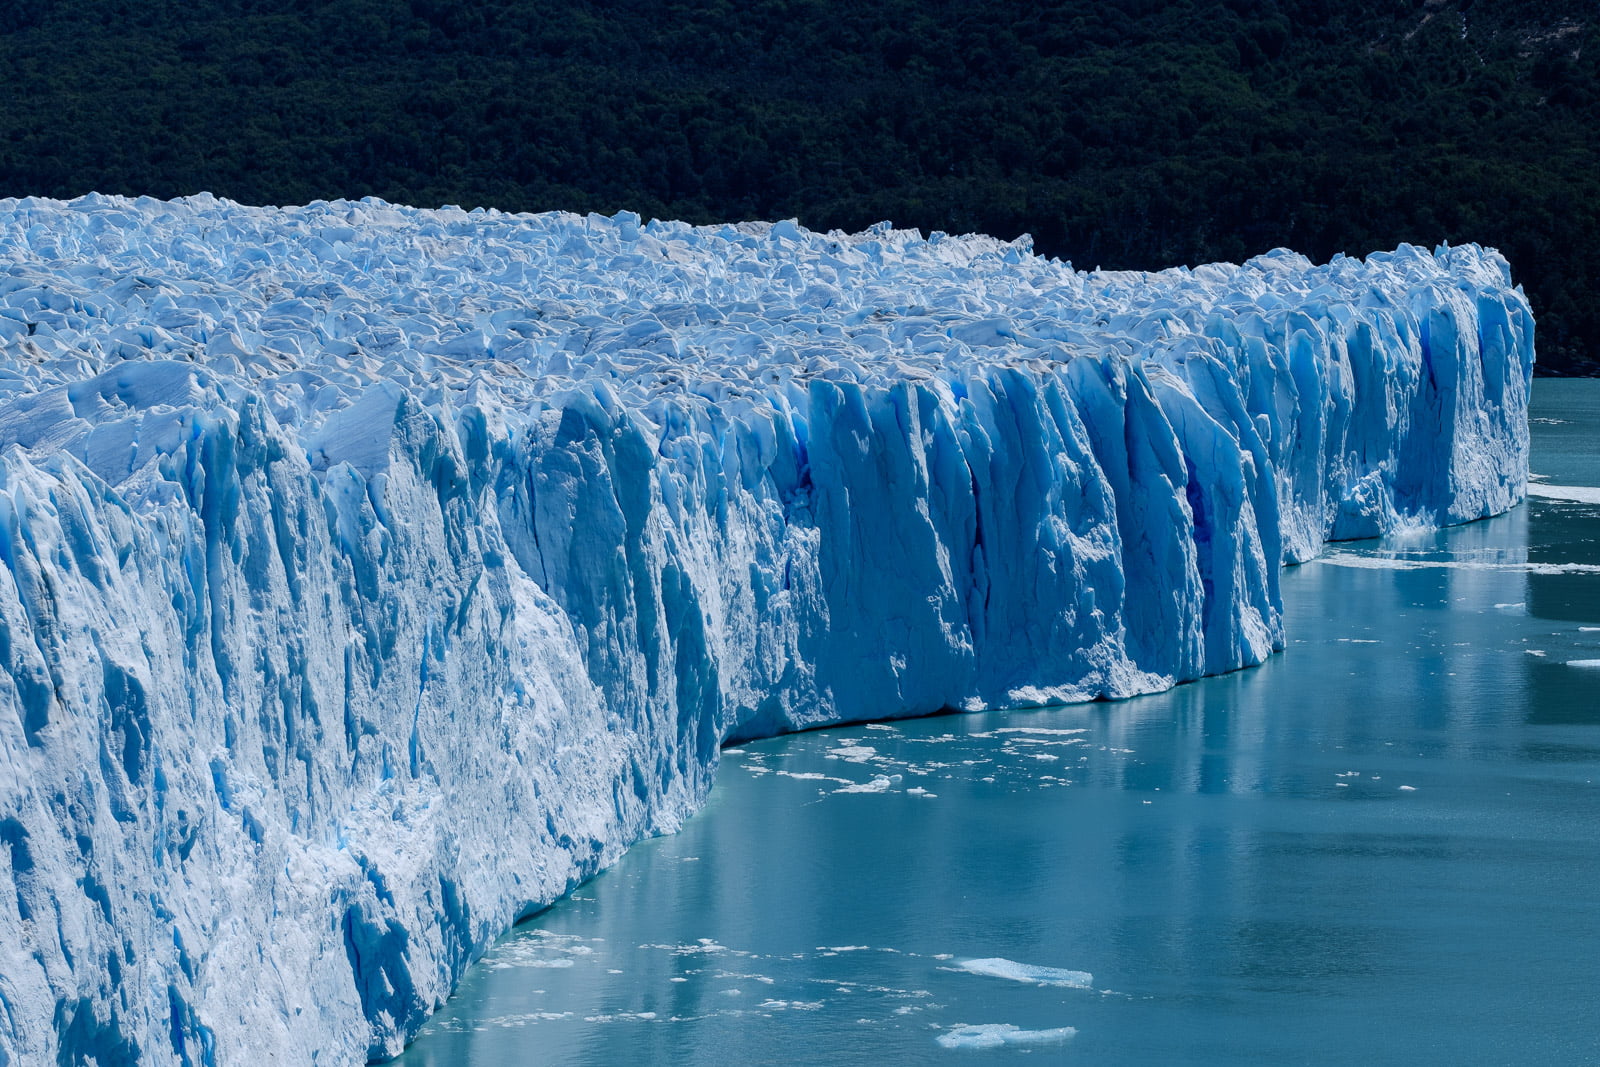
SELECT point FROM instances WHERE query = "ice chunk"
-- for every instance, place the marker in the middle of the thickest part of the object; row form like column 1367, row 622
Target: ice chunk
column 994, row 1035
column 879, row 784
column 1040, row 730
column 1023, row 972
column 1579, row 494
column 1395, row 563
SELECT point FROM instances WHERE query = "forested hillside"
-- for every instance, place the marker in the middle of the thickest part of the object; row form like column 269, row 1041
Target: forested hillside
column 1120, row 133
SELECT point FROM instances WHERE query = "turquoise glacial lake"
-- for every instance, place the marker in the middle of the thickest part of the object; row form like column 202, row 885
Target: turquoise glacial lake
column 1383, row 846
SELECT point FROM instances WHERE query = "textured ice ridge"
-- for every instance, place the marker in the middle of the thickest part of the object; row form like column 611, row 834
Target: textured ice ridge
column 373, row 575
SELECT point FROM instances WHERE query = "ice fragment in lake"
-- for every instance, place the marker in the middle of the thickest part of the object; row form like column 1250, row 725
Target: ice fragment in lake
column 369, row 577
column 879, row 784
column 1037, row 730
column 1392, row 563
column 995, row 1035
column 1577, row 494
column 1023, row 972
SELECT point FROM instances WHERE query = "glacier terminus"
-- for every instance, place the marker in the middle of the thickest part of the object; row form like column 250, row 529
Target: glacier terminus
column 374, row 575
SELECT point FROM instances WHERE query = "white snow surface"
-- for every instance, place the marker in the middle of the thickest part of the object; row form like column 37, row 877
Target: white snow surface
column 371, row 576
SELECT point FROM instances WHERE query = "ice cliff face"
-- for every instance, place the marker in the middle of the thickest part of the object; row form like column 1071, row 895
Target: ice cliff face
column 373, row 575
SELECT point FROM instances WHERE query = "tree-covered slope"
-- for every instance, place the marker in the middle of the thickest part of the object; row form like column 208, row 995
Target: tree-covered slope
column 1122, row 133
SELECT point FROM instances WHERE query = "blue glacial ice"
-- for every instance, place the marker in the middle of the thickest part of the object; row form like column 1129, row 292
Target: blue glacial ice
column 374, row 575
column 995, row 1035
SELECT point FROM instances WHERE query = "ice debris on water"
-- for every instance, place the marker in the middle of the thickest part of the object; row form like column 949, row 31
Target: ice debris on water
column 996, row 1035
column 1024, row 972
column 371, row 576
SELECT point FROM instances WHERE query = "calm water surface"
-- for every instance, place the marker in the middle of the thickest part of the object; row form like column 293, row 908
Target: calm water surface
column 1382, row 846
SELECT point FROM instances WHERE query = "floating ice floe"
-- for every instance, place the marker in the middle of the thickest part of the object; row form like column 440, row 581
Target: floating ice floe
column 995, row 1035
column 1577, row 494
column 1024, row 972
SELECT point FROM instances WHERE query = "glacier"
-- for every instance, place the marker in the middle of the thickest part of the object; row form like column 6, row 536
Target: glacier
column 374, row 575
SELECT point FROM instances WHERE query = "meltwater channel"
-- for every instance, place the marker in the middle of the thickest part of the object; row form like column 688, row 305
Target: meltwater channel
column 1381, row 846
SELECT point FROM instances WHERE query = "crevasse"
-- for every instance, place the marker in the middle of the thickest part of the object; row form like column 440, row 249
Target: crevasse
column 371, row 576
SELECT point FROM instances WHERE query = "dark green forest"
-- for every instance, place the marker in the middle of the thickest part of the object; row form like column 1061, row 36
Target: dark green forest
column 1119, row 133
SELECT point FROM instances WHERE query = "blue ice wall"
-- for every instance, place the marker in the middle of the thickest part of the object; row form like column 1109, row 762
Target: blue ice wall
column 371, row 576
